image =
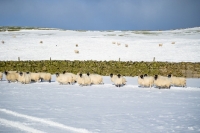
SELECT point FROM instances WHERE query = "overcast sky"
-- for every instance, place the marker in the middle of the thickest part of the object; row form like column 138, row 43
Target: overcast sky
column 101, row 14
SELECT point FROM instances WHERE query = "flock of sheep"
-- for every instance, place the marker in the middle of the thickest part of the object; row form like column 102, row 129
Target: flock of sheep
column 93, row 79
column 161, row 81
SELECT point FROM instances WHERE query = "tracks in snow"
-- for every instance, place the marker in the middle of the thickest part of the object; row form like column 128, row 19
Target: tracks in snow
column 21, row 126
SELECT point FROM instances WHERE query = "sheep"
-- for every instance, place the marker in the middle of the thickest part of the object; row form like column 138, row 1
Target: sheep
column 64, row 78
column 24, row 77
column 1, row 76
column 144, row 81
column 161, row 82
column 177, row 81
column 2, row 42
column 96, row 78
column 140, row 80
column 173, row 42
column 160, row 45
column 83, row 79
column 11, row 76
column 76, row 45
column 76, row 51
column 41, row 41
column 118, row 43
column 113, row 42
column 73, row 76
column 148, row 81
column 35, row 77
column 113, row 77
column 45, row 76
column 118, row 81
column 126, row 45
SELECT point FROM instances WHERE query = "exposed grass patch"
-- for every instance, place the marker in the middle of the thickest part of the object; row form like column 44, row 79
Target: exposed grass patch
column 110, row 35
column 146, row 32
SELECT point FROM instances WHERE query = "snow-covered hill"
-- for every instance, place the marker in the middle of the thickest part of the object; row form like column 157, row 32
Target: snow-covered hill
column 98, row 45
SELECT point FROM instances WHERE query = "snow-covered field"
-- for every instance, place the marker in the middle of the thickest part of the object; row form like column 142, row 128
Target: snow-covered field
column 97, row 45
column 50, row 107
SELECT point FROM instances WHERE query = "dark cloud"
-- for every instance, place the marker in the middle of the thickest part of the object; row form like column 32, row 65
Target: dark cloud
column 101, row 14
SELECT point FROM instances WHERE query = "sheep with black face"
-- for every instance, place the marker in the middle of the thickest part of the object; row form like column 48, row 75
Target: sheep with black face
column 162, row 82
column 177, row 81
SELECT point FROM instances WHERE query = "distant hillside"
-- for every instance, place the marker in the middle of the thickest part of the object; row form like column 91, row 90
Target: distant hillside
column 18, row 28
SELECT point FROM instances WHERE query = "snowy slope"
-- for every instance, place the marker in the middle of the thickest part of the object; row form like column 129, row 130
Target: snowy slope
column 97, row 45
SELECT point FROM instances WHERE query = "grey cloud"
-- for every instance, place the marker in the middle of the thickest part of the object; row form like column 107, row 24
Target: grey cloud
column 101, row 14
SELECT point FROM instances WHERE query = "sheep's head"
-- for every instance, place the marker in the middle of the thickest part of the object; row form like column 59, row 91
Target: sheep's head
column 20, row 73
column 111, row 75
column 88, row 74
column 169, row 76
column 156, row 77
column 27, row 72
column 6, row 72
column 64, row 72
column 145, row 75
column 80, row 74
column 57, row 74
column 118, row 75
column 141, row 76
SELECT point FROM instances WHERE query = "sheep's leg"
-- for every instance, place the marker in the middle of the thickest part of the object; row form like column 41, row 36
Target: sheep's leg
column 50, row 81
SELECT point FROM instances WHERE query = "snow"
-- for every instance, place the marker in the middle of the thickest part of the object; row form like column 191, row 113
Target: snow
column 97, row 45
column 50, row 107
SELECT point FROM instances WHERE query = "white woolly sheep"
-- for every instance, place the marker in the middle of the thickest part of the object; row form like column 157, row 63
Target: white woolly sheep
column 64, row 78
column 145, row 81
column 11, row 76
column 35, row 77
column 148, row 81
column 162, row 82
column 1, row 76
column 73, row 76
column 140, row 80
column 83, row 79
column 76, row 51
column 177, row 81
column 24, row 77
column 118, row 81
column 45, row 76
column 95, row 78
column 113, row 77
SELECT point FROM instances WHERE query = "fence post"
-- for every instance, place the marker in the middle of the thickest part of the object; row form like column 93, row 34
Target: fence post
column 18, row 58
